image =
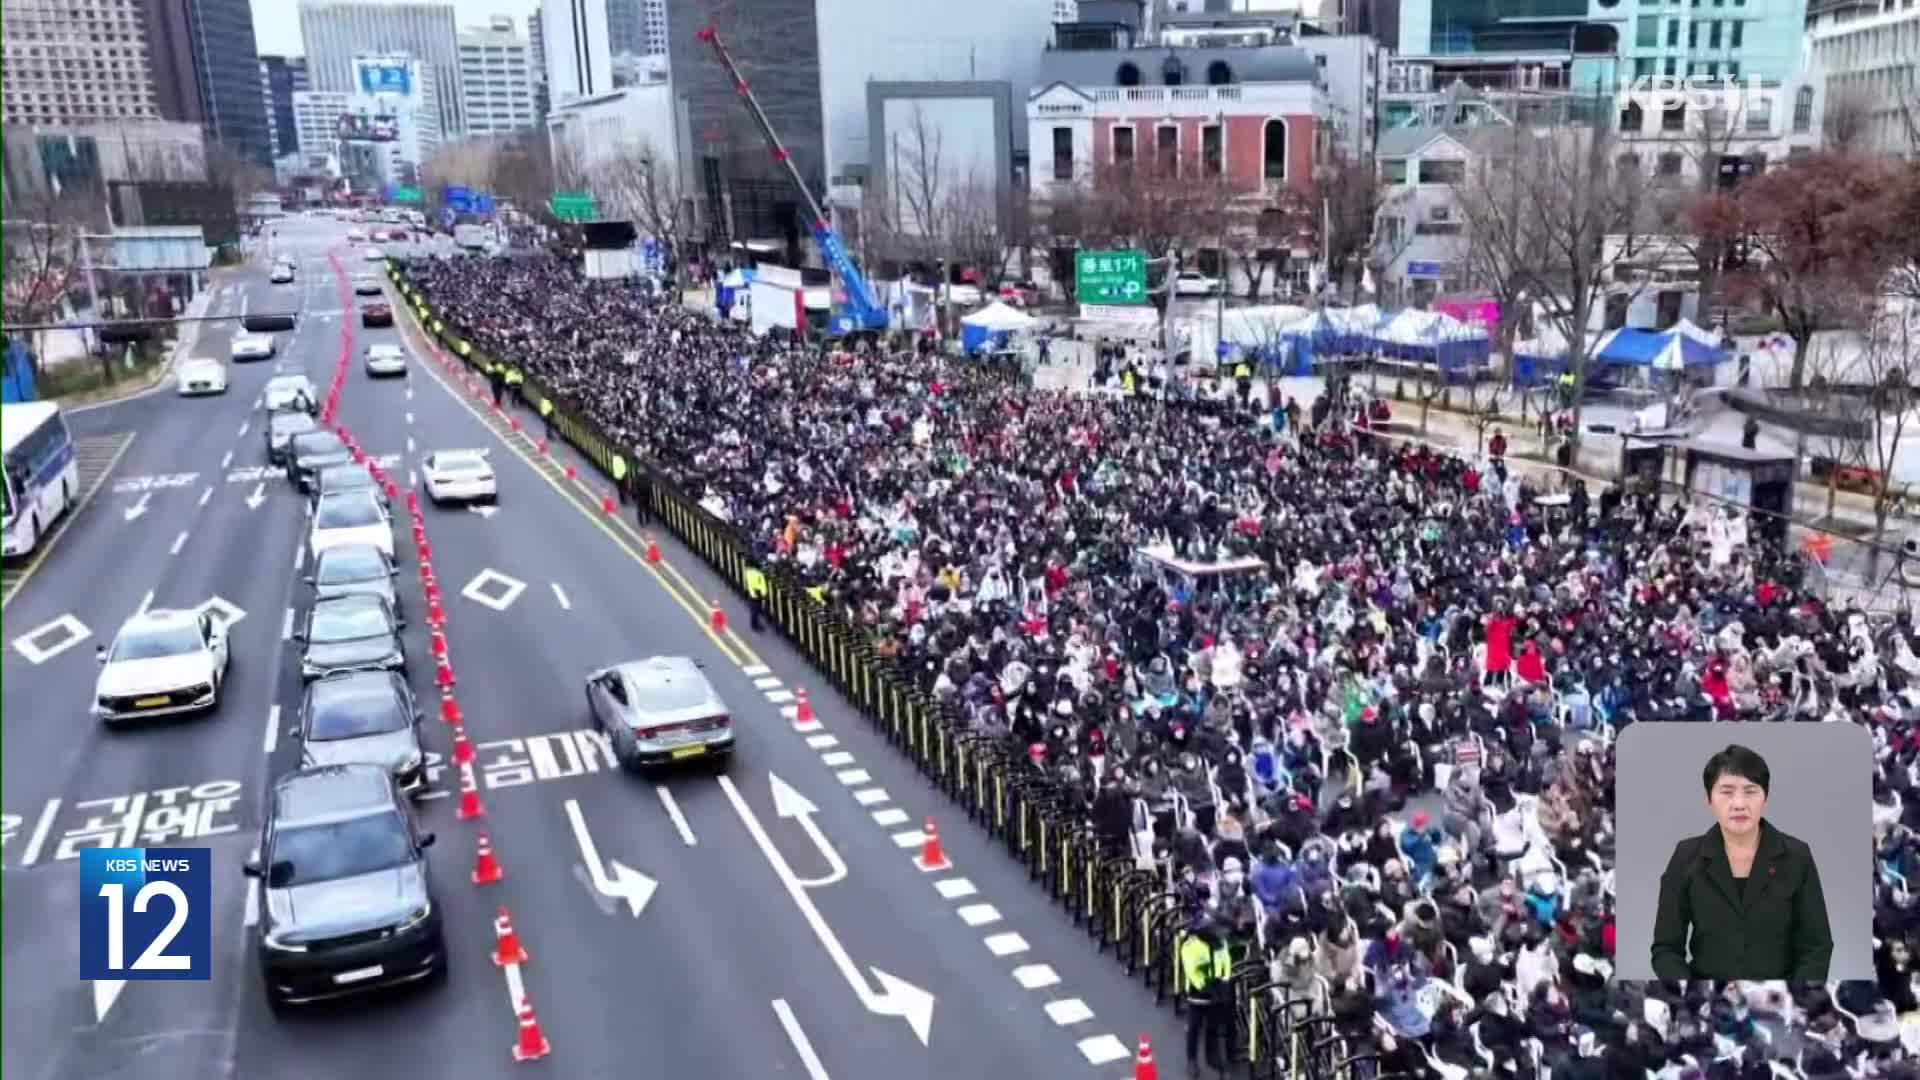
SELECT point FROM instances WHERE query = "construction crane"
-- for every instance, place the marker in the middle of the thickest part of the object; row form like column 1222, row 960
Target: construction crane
column 863, row 310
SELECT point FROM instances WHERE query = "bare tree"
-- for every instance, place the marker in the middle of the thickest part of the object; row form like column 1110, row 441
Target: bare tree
column 40, row 249
column 1342, row 215
column 636, row 181
column 1844, row 127
column 975, row 235
column 1864, row 380
column 523, row 172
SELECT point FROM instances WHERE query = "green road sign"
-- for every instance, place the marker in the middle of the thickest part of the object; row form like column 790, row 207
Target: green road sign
column 574, row 206
column 406, row 195
column 1110, row 277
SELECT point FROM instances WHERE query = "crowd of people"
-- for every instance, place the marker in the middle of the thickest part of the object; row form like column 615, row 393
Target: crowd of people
column 1356, row 696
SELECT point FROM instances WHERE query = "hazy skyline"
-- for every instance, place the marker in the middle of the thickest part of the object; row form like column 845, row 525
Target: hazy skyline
column 276, row 23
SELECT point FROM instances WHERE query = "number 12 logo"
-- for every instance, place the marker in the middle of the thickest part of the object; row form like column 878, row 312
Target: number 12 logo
column 147, row 905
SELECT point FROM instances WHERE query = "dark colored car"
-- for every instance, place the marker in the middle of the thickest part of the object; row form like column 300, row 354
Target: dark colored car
column 354, row 570
column 376, row 315
column 312, row 451
column 352, row 476
column 364, row 718
column 660, row 711
column 281, row 429
column 347, row 896
column 351, row 633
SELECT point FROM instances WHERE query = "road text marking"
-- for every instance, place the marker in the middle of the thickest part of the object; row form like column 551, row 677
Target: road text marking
column 273, row 729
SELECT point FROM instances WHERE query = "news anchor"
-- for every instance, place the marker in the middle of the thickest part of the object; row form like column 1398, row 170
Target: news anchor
column 1748, row 893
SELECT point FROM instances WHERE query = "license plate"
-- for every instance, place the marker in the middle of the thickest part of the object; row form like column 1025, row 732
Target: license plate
column 689, row 751
column 359, row 975
column 150, row 702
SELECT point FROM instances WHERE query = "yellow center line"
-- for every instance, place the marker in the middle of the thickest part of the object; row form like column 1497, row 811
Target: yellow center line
column 73, row 514
column 593, row 513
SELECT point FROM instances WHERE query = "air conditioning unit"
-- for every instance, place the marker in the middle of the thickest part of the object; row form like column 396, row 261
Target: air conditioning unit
column 1440, row 212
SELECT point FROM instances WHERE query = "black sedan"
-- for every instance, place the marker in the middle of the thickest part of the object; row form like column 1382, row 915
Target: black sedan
column 351, row 476
column 347, row 899
column 351, row 633
column 312, row 451
column 281, row 428
column 354, row 570
column 364, row 718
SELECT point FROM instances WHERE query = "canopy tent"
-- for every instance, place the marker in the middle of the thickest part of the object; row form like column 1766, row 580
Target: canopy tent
column 1332, row 330
column 733, row 285
column 1689, row 329
column 1258, row 327
column 1433, row 337
column 1664, row 350
column 990, row 326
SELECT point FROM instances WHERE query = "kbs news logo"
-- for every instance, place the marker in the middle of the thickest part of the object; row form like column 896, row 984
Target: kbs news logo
column 1658, row 94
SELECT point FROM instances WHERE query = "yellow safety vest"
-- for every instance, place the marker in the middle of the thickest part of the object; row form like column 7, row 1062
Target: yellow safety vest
column 756, row 583
column 1242, row 371
column 546, row 406
column 619, row 469
column 1127, row 379
column 1196, row 962
column 514, row 377
column 818, row 593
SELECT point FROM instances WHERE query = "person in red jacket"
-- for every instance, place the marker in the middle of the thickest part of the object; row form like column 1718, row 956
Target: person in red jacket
column 1500, row 626
column 1532, row 665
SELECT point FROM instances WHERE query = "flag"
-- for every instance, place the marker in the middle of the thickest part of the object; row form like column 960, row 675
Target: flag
column 1366, row 280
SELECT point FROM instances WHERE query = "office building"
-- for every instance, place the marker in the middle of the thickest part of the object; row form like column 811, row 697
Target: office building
column 57, row 72
column 95, row 153
column 626, row 29
column 653, row 24
column 281, row 77
column 376, row 138
column 623, row 130
column 1066, row 11
column 1869, row 53
column 579, row 59
column 226, row 76
column 496, row 73
column 335, row 31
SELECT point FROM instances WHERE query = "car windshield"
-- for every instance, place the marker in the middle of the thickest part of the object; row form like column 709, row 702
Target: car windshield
column 349, row 621
column 460, row 463
column 320, row 442
column 153, row 643
column 287, row 390
column 346, row 513
column 290, row 424
column 314, row 853
column 355, row 713
column 342, row 565
column 345, row 478
column 670, row 695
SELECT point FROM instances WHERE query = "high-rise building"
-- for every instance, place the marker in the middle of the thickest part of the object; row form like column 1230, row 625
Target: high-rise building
column 334, row 31
column 60, row 69
column 578, row 50
column 226, row 74
column 281, row 77
column 496, row 72
column 653, row 26
column 1869, row 52
column 1066, row 11
column 626, row 31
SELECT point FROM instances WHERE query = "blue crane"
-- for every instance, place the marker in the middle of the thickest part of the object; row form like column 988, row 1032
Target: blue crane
column 863, row 309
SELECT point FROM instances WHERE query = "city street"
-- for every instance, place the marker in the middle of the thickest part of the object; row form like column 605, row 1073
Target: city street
column 768, row 920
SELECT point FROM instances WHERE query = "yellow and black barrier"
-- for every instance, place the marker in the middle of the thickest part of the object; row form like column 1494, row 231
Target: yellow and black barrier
column 1124, row 907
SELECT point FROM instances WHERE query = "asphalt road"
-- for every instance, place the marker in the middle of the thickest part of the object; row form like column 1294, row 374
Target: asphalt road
column 764, row 924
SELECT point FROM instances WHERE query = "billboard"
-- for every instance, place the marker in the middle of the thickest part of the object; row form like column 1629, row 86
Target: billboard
column 383, row 75
column 369, row 127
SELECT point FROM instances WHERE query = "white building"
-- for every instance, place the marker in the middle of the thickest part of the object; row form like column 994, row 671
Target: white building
column 497, row 76
column 1747, row 129
column 653, row 27
column 579, row 60
column 606, row 136
column 59, row 71
column 1352, row 66
column 1870, row 59
column 396, row 136
column 336, row 31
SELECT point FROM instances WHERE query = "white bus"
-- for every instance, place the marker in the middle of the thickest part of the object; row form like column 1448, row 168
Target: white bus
column 42, row 477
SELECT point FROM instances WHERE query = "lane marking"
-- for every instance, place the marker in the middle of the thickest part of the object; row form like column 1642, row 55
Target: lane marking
column 1068, row 1011
column 870, row 796
column 145, row 603
column 822, row 742
column 836, row 759
column 409, row 415
column 250, row 915
column 273, row 730
column 244, row 428
column 766, row 683
column 954, row 888
column 286, row 626
column 808, row 1059
column 1035, row 976
column 1006, row 944
column 889, row 817
column 181, row 540
column 38, row 650
column 980, row 915
column 41, row 830
column 561, row 595
column 679, row 819
column 299, row 557
column 754, row 669
column 227, row 459
column 1103, row 1050
column 910, row 839
column 853, row 777
column 205, row 495
column 779, row 697
column 409, row 444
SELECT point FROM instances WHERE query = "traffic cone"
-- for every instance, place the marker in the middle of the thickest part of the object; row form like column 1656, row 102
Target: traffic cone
column 513, row 422
column 718, row 618
column 413, row 502
column 932, row 856
column 436, row 615
column 572, row 473
column 419, row 533
column 1143, row 1066
column 507, row 948
column 432, row 591
column 803, row 713
column 393, row 489
column 544, row 448
column 450, row 711
column 653, row 549
column 462, row 746
column 444, row 676
column 426, row 559
column 607, row 505
column 470, row 805
column 359, row 456
column 533, row 1042
column 439, row 645
column 486, row 865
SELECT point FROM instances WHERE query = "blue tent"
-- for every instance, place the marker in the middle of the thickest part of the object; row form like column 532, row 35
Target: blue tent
column 733, row 285
column 17, row 383
column 1666, row 350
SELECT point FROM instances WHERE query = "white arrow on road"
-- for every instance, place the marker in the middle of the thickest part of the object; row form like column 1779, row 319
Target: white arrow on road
column 105, row 993
column 788, row 803
column 896, row 996
column 613, row 878
column 483, row 511
column 257, row 496
column 140, row 506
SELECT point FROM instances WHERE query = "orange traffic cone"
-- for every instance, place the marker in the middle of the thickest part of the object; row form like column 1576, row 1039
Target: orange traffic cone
column 450, row 710
column 653, row 549
column 439, row 640
column 470, row 805
column 542, row 447
column 932, row 856
column 462, row 747
column 513, row 422
column 426, row 560
column 486, row 866
column 507, row 948
column 1143, row 1066
column 571, row 471
column 436, row 615
column 607, row 505
column 803, row 712
column 533, row 1042
column 445, row 676
column 718, row 619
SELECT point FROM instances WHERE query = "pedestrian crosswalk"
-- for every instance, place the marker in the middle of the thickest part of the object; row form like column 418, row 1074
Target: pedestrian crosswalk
column 96, row 457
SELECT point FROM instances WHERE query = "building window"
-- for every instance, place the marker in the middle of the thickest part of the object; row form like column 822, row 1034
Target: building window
column 1693, row 35
column 1759, row 116
column 1063, row 153
column 1128, row 75
column 1627, row 166
column 1733, row 69
column 1273, row 154
column 1123, row 145
column 1642, row 67
column 1736, row 34
column 1442, row 172
column 1671, row 66
column 1647, row 31
column 1166, row 149
column 1173, row 73
column 1213, row 158
column 1673, row 118
column 1673, row 33
column 1803, row 110
column 1670, row 164
column 1713, row 34
column 1219, row 74
column 1632, row 117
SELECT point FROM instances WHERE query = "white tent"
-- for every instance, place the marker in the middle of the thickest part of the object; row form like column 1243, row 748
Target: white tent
column 1262, row 325
column 736, row 278
column 998, row 318
column 1410, row 327
column 1688, row 329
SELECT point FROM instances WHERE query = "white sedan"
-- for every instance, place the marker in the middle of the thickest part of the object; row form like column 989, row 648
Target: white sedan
column 356, row 236
column 460, row 476
column 386, row 359
column 1194, row 283
column 286, row 392
column 373, row 254
column 253, row 347
column 351, row 517
column 161, row 662
column 202, row 375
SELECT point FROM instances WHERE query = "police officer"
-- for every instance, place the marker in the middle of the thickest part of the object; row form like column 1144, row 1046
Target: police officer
column 1207, row 965
column 642, row 497
column 515, row 379
column 497, row 378
column 546, row 416
column 757, row 597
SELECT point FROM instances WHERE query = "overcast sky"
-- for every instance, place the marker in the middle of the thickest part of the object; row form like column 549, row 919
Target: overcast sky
column 276, row 23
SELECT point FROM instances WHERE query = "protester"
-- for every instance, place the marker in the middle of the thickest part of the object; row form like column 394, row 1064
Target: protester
column 1383, row 678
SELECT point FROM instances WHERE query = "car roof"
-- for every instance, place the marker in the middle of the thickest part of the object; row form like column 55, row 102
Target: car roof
column 326, row 793
column 289, row 380
column 317, row 432
column 347, row 468
column 341, row 551
column 476, row 454
column 360, row 494
column 661, row 670
column 285, row 418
